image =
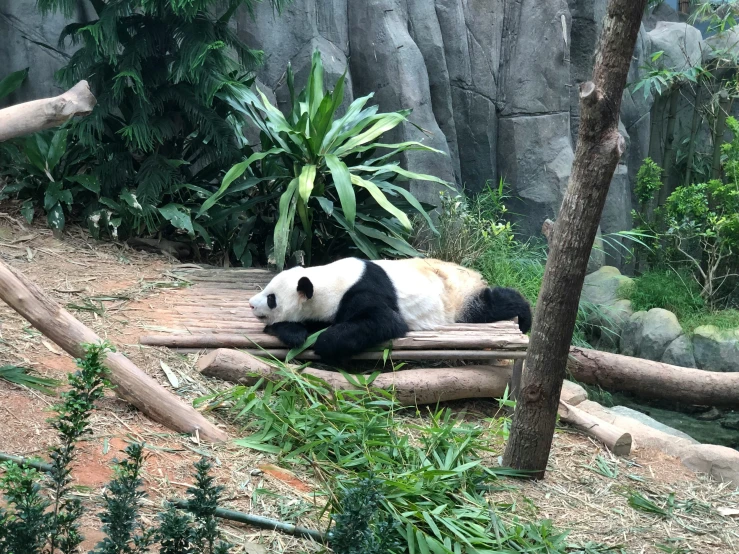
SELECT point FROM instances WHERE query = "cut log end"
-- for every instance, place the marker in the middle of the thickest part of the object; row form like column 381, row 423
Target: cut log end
column 588, row 92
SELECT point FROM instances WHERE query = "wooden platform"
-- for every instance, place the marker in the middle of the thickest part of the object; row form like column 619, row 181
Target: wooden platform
column 213, row 312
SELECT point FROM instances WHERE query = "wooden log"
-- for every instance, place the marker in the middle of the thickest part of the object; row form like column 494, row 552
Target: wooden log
column 412, row 386
column 439, row 342
column 280, row 354
column 652, row 380
column 615, row 439
column 29, row 117
column 132, row 384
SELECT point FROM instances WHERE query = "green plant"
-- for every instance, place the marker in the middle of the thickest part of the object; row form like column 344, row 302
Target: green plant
column 10, row 83
column 325, row 170
column 421, row 484
column 42, row 515
column 669, row 289
column 161, row 133
column 51, row 172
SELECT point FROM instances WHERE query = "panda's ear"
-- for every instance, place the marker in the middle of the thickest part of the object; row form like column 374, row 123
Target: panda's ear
column 305, row 287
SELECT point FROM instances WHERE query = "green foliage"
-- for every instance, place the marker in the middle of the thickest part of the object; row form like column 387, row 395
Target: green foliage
column 162, row 133
column 648, row 181
column 42, row 515
column 52, row 173
column 332, row 188
column 12, row 82
column 421, row 484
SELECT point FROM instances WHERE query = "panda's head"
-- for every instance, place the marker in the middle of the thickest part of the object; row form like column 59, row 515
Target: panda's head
column 286, row 298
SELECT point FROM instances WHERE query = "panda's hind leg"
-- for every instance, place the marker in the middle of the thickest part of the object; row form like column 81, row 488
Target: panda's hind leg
column 498, row 304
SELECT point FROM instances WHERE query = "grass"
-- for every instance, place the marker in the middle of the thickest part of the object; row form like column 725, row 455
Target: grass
column 677, row 292
column 424, row 484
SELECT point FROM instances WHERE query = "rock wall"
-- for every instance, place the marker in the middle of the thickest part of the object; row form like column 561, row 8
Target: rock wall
column 492, row 83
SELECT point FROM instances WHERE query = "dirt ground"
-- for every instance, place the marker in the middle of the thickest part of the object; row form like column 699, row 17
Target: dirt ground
column 113, row 289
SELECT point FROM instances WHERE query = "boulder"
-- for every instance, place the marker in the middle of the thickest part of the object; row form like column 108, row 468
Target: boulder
column 572, row 393
column 535, row 156
column 602, row 287
column 719, row 462
column 659, row 328
column 680, row 44
column 597, row 257
column 662, row 12
column 616, row 216
column 680, row 352
column 651, row 422
column 716, row 350
column 631, row 334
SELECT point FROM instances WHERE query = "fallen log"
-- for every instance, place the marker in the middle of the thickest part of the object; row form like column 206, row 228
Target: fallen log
column 615, row 439
column 412, row 386
column 131, row 384
column 29, row 117
column 654, row 380
column 422, row 386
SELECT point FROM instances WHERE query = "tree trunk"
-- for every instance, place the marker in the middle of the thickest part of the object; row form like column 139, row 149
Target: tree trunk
column 37, row 115
column 653, row 380
column 599, row 149
column 718, row 133
column 131, row 384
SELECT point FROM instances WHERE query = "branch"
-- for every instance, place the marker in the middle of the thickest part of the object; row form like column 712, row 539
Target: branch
column 37, row 115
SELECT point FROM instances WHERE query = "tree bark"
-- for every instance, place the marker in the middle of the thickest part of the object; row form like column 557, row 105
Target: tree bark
column 29, row 117
column 654, row 379
column 131, row 384
column 668, row 158
column 599, row 149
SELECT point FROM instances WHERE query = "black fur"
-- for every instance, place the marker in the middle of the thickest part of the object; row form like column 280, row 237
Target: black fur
column 498, row 304
column 368, row 315
column 305, row 287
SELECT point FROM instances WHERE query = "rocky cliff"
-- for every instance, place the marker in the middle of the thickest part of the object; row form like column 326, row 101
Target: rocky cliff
column 493, row 83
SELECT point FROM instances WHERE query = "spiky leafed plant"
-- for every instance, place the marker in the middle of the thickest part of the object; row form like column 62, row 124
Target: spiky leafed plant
column 159, row 130
column 325, row 170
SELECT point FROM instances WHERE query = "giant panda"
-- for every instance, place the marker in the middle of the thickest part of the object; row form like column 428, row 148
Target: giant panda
column 362, row 304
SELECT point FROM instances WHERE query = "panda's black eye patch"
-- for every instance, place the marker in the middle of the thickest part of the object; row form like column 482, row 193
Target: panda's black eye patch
column 271, row 301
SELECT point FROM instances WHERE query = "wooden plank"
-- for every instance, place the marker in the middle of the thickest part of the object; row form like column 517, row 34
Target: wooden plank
column 395, row 355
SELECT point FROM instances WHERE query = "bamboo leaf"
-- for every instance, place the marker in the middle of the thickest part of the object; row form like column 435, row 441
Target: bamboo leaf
column 10, row 83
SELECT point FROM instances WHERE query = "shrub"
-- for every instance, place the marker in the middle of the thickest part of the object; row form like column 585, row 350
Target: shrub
column 162, row 133
column 43, row 516
column 332, row 187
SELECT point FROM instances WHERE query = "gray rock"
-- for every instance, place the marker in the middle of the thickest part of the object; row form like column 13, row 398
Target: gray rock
column 631, row 334
column 31, row 40
column 662, row 12
column 427, row 33
column 597, row 257
column 602, row 287
column 384, row 53
column 533, row 38
column 659, row 328
column 535, row 156
column 716, row 350
column 616, row 217
column 680, row 352
column 651, row 422
column 731, row 422
column 679, row 42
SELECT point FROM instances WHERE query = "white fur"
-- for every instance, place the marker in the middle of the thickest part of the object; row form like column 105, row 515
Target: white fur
column 330, row 283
